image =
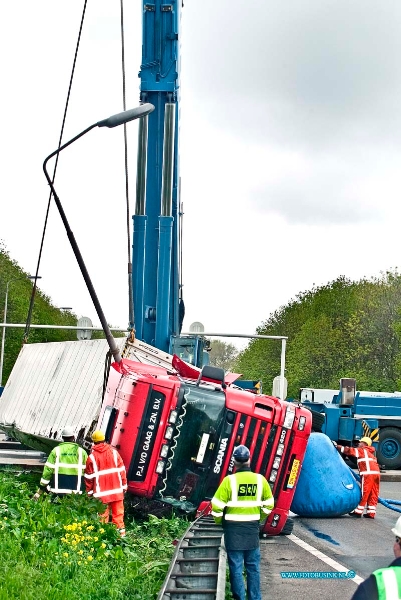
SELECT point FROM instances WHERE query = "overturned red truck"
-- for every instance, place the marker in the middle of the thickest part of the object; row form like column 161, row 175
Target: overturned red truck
column 176, row 431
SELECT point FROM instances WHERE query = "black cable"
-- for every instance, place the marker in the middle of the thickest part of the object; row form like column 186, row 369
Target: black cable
column 30, row 310
column 130, row 297
column 106, row 371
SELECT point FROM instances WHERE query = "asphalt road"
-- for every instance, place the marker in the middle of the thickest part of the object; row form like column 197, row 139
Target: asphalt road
column 335, row 545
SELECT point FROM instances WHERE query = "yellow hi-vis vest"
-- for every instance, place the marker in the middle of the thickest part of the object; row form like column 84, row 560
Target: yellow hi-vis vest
column 388, row 583
column 243, row 496
column 64, row 469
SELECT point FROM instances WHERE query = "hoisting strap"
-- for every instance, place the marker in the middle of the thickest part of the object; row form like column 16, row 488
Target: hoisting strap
column 384, row 501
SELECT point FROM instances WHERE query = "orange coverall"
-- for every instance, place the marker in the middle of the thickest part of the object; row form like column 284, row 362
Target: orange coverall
column 369, row 471
column 106, row 479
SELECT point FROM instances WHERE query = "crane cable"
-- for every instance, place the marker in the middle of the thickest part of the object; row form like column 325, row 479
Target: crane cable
column 130, row 296
column 32, row 300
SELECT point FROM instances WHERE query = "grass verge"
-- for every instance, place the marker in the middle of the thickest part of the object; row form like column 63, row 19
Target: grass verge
column 58, row 550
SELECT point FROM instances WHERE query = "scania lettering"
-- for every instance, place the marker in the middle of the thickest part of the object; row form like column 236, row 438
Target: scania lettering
column 220, row 456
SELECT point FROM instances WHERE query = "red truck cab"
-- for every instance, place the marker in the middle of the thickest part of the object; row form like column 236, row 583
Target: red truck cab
column 176, row 435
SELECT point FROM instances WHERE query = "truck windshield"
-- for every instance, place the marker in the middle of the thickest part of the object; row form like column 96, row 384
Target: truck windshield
column 202, row 415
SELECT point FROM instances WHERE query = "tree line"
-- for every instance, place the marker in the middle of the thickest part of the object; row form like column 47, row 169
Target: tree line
column 44, row 312
column 342, row 329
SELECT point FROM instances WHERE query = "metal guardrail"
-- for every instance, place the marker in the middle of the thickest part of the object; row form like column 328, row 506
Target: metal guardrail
column 13, row 453
column 198, row 568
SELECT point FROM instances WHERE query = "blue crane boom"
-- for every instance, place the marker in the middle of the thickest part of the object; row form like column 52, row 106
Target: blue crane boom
column 156, row 220
column 157, row 291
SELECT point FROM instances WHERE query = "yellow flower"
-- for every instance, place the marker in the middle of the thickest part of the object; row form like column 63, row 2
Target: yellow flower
column 92, row 549
column 95, row 539
column 90, row 528
column 101, row 530
column 103, row 545
column 65, row 554
column 80, row 552
column 89, row 558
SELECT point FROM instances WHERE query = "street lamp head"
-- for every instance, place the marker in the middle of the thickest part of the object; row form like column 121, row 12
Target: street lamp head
column 127, row 115
column 34, row 277
column 113, row 121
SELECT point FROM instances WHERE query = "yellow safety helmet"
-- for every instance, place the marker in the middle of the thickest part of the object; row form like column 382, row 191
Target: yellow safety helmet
column 98, row 436
column 367, row 440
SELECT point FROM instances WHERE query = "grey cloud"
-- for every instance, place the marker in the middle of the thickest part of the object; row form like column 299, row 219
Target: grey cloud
column 315, row 73
column 313, row 203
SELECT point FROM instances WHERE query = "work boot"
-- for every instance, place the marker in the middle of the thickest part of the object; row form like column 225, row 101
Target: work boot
column 369, row 516
column 354, row 514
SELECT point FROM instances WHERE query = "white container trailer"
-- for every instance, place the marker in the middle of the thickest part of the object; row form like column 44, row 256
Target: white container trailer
column 56, row 384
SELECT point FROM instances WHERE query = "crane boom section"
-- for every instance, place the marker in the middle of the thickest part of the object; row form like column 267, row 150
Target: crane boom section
column 156, row 220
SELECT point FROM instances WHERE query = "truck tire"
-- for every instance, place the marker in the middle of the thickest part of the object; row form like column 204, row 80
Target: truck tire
column 288, row 527
column 389, row 449
column 317, row 421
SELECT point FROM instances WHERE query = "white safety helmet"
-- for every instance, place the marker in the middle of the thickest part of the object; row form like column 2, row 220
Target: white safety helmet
column 67, row 432
column 397, row 529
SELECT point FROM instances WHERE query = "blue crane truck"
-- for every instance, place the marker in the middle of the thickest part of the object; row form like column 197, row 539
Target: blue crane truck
column 351, row 414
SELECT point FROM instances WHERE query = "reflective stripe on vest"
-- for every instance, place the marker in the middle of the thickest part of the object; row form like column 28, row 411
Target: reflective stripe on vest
column 242, row 504
column 368, row 459
column 388, row 583
column 98, row 472
column 80, row 466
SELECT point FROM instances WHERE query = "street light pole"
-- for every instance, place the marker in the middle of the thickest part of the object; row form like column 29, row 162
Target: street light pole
column 113, row 121
column 3, row 339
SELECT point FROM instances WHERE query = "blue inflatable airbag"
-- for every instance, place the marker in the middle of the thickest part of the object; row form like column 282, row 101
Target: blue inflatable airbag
column 326, row 487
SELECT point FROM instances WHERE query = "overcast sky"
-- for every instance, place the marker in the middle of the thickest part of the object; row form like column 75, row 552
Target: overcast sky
column 290, row 149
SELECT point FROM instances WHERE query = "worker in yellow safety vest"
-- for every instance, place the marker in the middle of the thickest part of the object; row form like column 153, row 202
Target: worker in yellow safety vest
column 384, row 584
column 240, row 502
column 64, row 469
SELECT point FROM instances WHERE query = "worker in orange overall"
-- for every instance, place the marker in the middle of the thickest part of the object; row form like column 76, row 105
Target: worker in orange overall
column 369, row 471
column 106, row 479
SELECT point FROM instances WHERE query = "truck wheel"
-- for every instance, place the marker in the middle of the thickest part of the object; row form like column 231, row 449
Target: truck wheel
column 288, row 527
column 317, row 421
column 389, row 449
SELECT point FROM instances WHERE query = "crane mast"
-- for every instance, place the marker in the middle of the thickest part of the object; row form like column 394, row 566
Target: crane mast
column 155, row 274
